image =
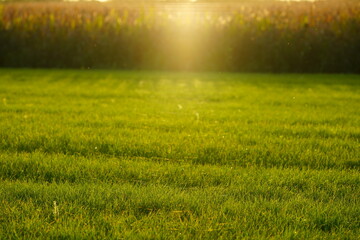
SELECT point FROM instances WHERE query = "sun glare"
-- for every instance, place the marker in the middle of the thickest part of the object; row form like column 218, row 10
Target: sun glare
column 185, row 36
column 102, row 1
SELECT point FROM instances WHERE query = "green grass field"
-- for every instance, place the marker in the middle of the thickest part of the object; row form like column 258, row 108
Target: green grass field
column 143, row 155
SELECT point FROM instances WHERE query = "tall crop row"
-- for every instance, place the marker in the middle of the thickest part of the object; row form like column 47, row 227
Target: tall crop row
column 281, row 37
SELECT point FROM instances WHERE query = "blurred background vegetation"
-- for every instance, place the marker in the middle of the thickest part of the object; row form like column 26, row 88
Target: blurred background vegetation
column 243, row 36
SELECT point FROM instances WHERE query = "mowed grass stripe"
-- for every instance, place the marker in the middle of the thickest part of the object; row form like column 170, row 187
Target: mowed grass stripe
column 265, row 120
column 157, row 211
column 39, row 168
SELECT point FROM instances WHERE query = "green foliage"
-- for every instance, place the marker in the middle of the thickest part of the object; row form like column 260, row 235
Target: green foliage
column 266, row 37
column 140, row 155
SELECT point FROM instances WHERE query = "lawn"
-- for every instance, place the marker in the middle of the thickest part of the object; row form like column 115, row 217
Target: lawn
column 90, row 154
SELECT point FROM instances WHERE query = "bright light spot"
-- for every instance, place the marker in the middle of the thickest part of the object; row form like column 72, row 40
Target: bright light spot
column 297, row 0
column 85, row 0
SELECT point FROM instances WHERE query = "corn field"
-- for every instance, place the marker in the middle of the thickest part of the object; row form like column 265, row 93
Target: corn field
column 262, row 37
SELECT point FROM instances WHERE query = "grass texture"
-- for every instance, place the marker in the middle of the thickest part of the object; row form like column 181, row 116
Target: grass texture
column 153, row 155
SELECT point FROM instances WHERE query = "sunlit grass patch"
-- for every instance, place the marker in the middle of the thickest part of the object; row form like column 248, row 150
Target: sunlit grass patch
column 178, row 155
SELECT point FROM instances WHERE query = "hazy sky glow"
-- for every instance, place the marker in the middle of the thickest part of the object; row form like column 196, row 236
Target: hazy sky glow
column 193, row 1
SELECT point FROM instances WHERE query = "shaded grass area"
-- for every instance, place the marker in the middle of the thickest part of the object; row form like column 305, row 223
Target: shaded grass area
column 165, row 155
